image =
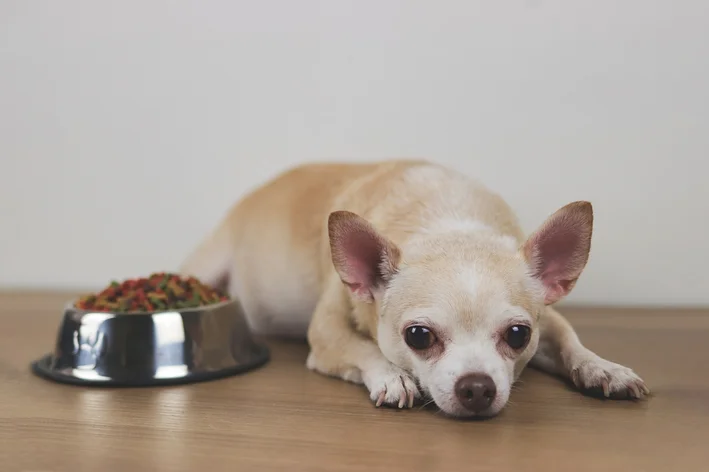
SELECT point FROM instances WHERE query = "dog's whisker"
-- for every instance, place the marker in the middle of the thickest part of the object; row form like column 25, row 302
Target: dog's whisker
column 425, row 404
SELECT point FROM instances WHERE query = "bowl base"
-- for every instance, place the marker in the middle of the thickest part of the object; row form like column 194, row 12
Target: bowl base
column 42, row 368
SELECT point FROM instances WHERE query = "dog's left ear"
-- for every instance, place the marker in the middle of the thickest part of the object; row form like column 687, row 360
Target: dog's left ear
column 364, row 259
column 558, row 251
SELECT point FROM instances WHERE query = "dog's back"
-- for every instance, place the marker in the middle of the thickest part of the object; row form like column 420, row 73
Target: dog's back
column 272, row 248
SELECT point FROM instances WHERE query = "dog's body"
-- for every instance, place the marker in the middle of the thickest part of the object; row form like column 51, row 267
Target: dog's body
column 410, row 278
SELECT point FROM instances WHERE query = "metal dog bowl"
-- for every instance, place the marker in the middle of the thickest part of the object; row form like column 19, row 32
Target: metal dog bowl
column 148, row 349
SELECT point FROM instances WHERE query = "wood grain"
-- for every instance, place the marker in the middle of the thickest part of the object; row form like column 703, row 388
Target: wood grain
column 283, row 417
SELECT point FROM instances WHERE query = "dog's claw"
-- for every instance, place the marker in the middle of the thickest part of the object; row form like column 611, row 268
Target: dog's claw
column 381, row 398
column 606, row 388
column 575, row 378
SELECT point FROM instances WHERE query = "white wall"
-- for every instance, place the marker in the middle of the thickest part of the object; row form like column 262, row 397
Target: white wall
column 127, row 128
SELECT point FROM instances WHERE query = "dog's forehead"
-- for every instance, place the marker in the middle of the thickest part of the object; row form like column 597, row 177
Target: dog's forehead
column 461, row 294
column 473, row 299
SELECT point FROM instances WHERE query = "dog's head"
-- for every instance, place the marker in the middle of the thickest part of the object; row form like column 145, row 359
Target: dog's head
column 459, row 309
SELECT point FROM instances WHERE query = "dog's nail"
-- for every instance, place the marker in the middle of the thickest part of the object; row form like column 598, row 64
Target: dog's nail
column 646, row 390
column 633, row 393
column 575, row 377
column 402, row 399
column 636, row 391
column 606, row 388
column 380, row 400
column 411, row 399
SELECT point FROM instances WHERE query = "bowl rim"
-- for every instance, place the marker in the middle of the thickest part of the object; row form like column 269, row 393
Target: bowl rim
column 70, row 306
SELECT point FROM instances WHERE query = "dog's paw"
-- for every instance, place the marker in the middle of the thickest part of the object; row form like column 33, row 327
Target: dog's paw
column 391, row 386
column 594, row 373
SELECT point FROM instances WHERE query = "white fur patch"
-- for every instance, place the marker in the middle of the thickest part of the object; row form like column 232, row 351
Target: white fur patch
column 427, row 175
column 450, row 224
column 470, row 280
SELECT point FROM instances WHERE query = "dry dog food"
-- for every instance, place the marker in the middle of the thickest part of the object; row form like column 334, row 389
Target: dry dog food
column 161, row 291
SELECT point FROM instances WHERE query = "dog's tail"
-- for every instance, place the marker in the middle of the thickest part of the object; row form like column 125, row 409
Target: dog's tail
column 211, row 261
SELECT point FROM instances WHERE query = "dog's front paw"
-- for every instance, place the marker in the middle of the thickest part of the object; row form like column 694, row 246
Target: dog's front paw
column 613, row 380
column 391, row 386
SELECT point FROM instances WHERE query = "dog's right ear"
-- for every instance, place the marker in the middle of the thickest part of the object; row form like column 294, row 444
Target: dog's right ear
column 364, row 259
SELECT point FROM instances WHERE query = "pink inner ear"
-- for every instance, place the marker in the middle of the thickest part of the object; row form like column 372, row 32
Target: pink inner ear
column 362, row 255
column 559, row 250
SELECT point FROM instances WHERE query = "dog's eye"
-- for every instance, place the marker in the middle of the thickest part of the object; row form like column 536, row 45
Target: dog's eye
column 419, row 337
column 517, row 336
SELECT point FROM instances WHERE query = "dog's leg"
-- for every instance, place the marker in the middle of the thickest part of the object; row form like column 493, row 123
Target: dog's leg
column 560, row 352
column 338, row 350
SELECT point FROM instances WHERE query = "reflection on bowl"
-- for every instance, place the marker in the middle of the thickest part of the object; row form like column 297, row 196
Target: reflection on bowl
column 159, row 348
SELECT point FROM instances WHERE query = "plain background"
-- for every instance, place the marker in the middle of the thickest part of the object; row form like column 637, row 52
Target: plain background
column 128, row 128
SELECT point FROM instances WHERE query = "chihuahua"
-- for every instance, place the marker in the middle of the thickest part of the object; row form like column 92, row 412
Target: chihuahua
column 412, row 279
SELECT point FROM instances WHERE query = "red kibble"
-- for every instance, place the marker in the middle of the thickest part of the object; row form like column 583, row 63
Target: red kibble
column 159, row 291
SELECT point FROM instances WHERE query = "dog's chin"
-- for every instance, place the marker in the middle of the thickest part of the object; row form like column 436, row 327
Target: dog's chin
column 462, row 414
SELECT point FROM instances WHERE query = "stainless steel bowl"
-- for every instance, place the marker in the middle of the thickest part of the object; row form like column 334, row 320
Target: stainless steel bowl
column 148, row 349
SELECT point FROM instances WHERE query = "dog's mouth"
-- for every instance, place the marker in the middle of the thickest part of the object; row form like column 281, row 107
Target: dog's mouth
column 429, row 404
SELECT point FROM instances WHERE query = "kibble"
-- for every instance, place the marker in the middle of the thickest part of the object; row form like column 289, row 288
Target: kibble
column 158, row 292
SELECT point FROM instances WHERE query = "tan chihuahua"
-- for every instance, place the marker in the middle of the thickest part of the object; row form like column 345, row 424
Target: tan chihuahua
column 412, row 279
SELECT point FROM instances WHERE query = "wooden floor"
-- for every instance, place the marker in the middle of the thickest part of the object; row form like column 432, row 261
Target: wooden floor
column 283, row 417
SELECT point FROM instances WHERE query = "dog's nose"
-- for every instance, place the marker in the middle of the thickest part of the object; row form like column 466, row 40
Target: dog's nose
column 475, row 391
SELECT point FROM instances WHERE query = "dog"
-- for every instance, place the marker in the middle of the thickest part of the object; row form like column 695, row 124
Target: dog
column 412, row 279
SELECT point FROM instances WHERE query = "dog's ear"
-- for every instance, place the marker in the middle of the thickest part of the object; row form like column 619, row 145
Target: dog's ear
column 558, row 251
column 364, row 259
